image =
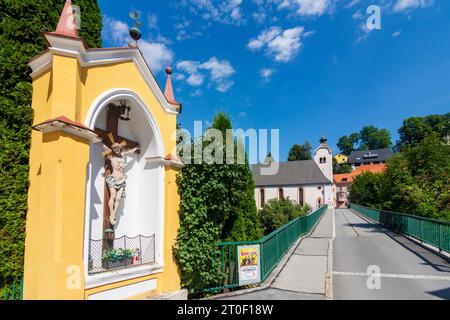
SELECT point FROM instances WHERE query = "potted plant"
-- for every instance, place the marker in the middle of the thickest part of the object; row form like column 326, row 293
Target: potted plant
column 117, row 258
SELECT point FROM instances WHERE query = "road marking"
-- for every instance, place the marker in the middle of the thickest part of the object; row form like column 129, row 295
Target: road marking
column 391, row 275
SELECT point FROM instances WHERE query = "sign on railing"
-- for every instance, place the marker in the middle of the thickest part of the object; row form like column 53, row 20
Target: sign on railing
column 271, row 249
column 249, row 265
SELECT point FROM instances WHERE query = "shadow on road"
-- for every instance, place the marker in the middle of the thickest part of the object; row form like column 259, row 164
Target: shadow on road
column 444, row 293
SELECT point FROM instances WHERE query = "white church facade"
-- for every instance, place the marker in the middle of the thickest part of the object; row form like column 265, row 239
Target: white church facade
column 304, row 182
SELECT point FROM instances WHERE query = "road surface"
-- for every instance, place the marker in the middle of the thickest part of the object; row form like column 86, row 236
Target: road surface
column 407, row 270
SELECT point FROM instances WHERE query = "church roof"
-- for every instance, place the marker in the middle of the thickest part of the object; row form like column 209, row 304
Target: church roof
column 290, row 173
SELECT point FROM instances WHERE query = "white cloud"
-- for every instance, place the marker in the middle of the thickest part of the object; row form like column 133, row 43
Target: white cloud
column 114, row 30
column 219, row 69
column 266, row 74
column 352, row 3
column 156, row 53
column 396, row 33
column 357, row 15
column 219, row 72
column 259, row 17
column 281, row 45
column 402, row 5
column 152, row 20
column 226, row 11
column 195, row 79
column 306, row 7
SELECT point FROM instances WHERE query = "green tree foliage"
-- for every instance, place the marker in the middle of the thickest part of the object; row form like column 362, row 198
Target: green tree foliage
column 415, row 181
column 369, row 137
column 415, row 129
column 278, row 212
column 21, row 24
column 364, row 189
column 341, row 168
column 300, row 152
column 217, row 204
column 348, row 143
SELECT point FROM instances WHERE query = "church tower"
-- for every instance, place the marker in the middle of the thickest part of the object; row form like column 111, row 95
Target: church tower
column 323, row 156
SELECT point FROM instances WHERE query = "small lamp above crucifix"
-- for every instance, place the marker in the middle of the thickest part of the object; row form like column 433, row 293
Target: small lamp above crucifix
column 124, row 111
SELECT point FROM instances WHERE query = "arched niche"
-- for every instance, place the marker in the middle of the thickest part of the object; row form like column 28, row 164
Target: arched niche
column 142, row 211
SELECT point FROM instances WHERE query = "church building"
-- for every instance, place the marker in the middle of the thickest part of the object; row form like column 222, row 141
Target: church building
column 304, row 182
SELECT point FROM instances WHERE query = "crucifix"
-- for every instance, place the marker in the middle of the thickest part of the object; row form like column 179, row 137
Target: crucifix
column 114, row 163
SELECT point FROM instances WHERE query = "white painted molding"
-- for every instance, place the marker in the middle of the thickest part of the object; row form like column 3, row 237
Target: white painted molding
column 70, row 129
column 72, row 47
column 101, row 279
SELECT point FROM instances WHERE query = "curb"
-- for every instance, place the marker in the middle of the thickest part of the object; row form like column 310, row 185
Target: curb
column 329, row 274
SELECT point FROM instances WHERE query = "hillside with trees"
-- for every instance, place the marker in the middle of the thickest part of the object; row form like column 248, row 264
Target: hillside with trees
column 417, row 178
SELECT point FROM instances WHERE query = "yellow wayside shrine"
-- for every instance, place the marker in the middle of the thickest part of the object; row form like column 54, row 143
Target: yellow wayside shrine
column 87, row 101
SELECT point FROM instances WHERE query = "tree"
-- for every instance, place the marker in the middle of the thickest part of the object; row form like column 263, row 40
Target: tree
column 374, row 138
column 341, row 168
column 21, row 24
column 347, row 143
column 277, row 213
column 369, row 137
column 364, row 189
column 217, row 204
column 415, row 181
column 300, row 152
column 415, row 129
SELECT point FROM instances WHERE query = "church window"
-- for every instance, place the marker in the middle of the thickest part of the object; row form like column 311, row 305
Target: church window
column 280, row 194
column 300, row 196
column 262, row 197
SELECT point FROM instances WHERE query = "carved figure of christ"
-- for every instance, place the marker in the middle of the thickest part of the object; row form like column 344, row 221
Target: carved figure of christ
column 109, row 136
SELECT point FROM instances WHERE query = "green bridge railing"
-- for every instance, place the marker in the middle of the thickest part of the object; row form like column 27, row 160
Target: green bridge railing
column 11, row 289
column 430, row 231
column 272, row 249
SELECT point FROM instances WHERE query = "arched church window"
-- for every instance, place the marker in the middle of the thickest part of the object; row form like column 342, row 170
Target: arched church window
column 300, row 196
column 262, row 197
column 280, row 194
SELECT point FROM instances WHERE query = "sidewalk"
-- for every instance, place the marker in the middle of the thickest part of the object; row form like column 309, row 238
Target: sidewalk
column 303, row 276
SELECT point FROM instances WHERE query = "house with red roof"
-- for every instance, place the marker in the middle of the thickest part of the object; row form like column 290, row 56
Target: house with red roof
column 342, row 182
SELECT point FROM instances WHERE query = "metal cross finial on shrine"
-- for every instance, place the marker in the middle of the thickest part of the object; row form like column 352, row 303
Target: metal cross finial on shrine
column 135, row 33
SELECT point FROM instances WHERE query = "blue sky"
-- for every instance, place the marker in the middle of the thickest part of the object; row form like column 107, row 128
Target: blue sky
column 305, row 67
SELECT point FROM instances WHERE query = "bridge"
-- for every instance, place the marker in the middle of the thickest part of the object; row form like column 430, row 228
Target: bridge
column 350, row 255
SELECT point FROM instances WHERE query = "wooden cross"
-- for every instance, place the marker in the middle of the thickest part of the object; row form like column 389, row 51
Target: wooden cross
column 112, row 127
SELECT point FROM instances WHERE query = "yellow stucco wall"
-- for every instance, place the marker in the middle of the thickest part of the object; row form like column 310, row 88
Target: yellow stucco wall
column 55, row 220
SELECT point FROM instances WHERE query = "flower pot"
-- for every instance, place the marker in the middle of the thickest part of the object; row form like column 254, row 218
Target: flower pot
column 116, row 264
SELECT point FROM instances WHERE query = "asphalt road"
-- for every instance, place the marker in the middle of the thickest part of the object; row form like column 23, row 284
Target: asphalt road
column 398, row 268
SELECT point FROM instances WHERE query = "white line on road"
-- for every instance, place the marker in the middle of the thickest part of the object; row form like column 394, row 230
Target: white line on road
column 391, row 275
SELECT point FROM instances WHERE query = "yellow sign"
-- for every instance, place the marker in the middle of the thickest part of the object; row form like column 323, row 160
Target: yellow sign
column 249, row 265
